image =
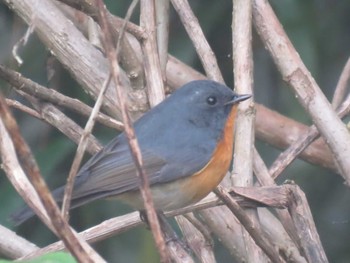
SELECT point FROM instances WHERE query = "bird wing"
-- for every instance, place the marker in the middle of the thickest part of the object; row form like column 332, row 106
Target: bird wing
column 112, row 171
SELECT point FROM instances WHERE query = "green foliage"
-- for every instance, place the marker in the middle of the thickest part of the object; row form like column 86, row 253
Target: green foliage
column 57, row 257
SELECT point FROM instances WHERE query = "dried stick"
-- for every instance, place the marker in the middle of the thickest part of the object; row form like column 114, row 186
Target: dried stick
column 14, row 246
column 153, row 72
column 305, row 87
column 67, row 126
column 129, row 60
column 198, row 237
column 271, row 127
column 162, row 22
column 78, row 55
column 193, row 29
column 289, row 155
column 130, row 133
column 17, row 81
column 242, row 171
column 276, row 197
column 81, row 250
column 250, row 226
column 342, row 86
column 306, row 229
column 17, row 105
column 80, row 152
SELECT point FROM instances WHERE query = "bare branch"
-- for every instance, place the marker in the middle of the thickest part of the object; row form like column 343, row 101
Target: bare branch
column 81, row 250
column 193, row 29
column 130, row 134
column 14, row 246
column 342, row 86
column 153, row 72
column 305, row 87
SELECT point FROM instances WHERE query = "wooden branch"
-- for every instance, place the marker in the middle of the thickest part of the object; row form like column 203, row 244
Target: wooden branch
column 193, row 29
column 79, row 248
column 112, row 54
column 242, row 170
column 248, row 197
column 17, row 81
column 153, row 72
column 342, row 86
column 80, row 153
column 306, row 229
column 253, row 229
column 14, row 246
column 304, row 86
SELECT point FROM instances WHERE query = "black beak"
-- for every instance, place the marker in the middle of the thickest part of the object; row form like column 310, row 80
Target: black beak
column 238, row 98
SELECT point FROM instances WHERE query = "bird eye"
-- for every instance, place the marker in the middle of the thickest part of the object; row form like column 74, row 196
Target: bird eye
column 211, row 100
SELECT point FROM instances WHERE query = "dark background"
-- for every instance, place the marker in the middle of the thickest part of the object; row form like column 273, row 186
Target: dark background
column 320, row 32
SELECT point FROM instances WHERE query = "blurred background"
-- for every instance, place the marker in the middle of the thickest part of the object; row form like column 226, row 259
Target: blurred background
column 319, row 30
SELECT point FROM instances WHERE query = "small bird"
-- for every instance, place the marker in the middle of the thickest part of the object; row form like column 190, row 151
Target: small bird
column 186, row 144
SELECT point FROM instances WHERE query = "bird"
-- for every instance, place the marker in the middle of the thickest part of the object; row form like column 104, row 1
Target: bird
column 186, row 143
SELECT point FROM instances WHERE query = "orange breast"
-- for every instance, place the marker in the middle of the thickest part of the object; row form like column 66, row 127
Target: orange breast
column 205, row 180
column 185, row 191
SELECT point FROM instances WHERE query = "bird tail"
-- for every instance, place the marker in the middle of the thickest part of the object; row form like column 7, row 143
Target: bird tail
column 25, row 213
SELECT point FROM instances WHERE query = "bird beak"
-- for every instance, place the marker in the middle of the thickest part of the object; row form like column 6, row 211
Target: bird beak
column 238, row 98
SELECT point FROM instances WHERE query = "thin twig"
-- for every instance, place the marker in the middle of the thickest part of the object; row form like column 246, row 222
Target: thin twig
column 254, row 230
column 82, row 253
column 342, row 86
column 278, row 199
column 57, row 119
column 308, row 93
column 13, row 246
column 130, row 133
column 80, row 152
column 153, row 72
column 17, row 81
column 242, row 170
column 162, row 21
column 193, row 29
column 17, row 105
column 290, row 154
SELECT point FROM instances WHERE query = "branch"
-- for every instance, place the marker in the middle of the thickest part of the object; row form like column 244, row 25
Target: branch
column 81, row 250
column 130, row 134
column 305, row 87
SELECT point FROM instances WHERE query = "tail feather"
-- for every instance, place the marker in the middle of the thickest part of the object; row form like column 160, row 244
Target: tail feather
column 25, row 213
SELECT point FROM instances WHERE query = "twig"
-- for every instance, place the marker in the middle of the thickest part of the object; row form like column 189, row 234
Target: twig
column 306, row 229
column 14, row 246
column 254, row 230
column 67, row 126
column 162, row 21
column 242, row 170
column 21, row 42
column 17, row 81
column 265, row 179
column 289, row 155
column 342, row 85
column 276, row 196
column 78, row 55
column 82, row 252
column 305, row 87
column 271, row 127
column 197, row 237
column 153, row 72
column 20, row 106
column 80, row 152
column 193, row 29
column 129, row 59
column 130, row 133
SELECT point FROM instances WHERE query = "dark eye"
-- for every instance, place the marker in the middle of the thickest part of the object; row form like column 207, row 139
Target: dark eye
column 211, row 100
